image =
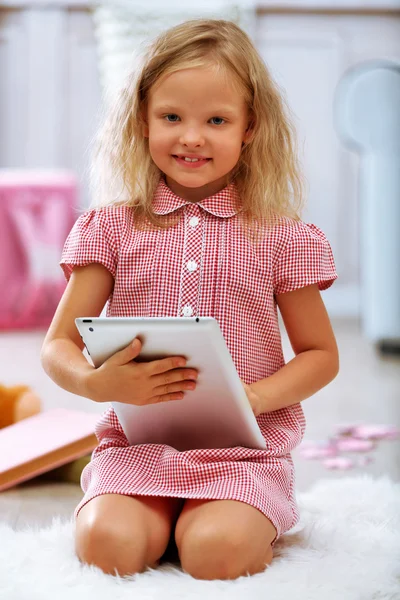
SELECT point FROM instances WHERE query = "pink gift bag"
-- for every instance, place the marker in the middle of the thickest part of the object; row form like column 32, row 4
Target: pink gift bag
column 37, row 211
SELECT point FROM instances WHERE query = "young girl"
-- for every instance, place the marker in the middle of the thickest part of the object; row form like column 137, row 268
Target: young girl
column 204, row 223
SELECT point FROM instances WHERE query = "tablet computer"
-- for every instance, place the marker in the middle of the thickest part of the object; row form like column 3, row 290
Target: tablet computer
column 217, row 414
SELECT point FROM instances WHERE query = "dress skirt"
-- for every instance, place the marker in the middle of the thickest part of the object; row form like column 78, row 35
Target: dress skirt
column 263, row 479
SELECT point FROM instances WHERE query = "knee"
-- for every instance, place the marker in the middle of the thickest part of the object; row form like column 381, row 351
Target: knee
column 207, row 553
column 108, row 547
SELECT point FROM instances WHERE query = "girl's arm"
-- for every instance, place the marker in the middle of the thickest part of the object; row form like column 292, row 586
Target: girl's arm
column 120, row 377
column 316, row 362
column 85, row 296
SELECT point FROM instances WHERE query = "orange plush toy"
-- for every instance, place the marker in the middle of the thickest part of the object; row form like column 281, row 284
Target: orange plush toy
column 16, row 403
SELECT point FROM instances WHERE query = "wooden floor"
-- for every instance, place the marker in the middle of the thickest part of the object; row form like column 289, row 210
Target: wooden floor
column 367, row 390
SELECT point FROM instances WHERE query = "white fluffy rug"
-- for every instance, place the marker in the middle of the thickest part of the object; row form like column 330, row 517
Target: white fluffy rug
column 346, row 547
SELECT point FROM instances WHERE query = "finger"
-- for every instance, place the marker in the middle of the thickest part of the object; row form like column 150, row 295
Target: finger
column 175, row 375
column 166, row 397
column 127, row 354
column 166, row 364
column 174, row 388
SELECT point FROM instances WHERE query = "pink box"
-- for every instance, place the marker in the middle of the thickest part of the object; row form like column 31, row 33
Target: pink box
column 37, row 211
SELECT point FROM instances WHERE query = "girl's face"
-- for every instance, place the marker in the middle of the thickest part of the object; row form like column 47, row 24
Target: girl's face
column 196, row 113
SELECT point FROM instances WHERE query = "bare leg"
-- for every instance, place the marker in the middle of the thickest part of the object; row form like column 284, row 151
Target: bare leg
column 125, row 534
column 223, row 539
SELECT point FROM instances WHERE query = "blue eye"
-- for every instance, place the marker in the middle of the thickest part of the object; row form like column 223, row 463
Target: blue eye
column 218, row 119
column 174, row 120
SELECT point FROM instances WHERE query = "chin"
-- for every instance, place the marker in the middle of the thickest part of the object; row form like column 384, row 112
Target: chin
column 190, row 181
column 193, row 184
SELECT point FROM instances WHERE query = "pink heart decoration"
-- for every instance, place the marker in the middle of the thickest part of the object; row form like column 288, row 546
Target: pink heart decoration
column 349, row 438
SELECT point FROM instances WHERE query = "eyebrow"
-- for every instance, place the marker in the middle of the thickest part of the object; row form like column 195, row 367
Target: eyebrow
column 222, row 110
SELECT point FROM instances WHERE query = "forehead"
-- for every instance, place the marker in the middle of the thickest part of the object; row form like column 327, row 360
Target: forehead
column 197, row 86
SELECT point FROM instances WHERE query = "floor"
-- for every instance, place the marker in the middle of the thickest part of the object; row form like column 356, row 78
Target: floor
column 367, row 390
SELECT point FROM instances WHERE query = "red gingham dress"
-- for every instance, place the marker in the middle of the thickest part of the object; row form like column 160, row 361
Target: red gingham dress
column 204, row 265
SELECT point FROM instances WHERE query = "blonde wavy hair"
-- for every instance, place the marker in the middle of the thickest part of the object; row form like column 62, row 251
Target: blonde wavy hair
column 267, row 174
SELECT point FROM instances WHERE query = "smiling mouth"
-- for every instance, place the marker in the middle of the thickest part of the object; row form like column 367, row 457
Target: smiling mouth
column 191, row 161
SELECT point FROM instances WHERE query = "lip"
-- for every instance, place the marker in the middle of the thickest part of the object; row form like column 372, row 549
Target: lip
column 191, row 165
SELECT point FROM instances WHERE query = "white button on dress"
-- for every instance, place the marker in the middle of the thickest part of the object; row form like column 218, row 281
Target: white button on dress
column 187, row 311
column 194, row 221
column 191, row 265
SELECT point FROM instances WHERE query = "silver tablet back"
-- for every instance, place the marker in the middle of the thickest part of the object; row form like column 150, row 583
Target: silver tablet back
column 216, row 414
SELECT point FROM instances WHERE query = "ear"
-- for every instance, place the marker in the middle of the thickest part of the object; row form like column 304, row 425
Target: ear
column 249, row 133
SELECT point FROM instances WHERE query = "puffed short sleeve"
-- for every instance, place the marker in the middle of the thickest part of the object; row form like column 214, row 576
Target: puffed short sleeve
column 305, row 259
column 91, row 240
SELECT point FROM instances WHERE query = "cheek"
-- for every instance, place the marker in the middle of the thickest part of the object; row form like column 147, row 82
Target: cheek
column 229, row 150
column 229, row 143
column 157, row 142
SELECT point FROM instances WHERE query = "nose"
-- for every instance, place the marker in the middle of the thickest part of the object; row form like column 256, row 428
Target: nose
column 192, row 138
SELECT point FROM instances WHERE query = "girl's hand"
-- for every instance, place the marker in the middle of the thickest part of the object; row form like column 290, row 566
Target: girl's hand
column 254, row 399
column 121, row 379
